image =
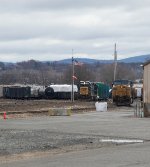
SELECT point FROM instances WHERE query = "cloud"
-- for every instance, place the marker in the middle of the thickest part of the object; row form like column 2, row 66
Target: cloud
column 39, row 5
column 46, row 29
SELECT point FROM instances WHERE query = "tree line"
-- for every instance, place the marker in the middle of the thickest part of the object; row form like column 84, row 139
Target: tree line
column 45, row 73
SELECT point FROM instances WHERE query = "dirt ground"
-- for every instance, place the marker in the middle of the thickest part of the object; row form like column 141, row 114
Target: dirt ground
column 33, row 108
column 12, row 106
column 9, row 105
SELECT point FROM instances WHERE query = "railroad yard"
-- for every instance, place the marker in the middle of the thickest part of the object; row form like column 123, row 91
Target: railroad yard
column 34, row 134
column 74, row 83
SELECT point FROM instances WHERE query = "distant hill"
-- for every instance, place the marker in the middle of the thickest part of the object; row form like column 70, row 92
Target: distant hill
column 135, row 59
column 85, row 60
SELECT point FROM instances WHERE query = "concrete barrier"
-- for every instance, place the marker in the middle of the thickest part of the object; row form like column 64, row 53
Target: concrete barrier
column 59, row 112
column 101, row 106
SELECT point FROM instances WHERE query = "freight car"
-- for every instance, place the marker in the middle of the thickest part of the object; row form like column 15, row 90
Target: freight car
column 37, row 91
column 138, row 87
column 1, row 91
column 61, row 91
column 123, row 92
column 23, row 91
column 17, row 92
column 103, row 91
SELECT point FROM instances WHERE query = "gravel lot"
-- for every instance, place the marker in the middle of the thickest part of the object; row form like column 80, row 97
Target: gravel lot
column 16, row 141
column 20, row 141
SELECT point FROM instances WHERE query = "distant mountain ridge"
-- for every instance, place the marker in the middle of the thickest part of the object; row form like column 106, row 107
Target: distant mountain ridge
column 135, row 59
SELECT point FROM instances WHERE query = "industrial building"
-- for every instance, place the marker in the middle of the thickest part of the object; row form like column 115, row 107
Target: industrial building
column 146, row 89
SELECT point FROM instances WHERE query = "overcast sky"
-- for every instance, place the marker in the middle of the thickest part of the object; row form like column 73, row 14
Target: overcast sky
column 50, row 29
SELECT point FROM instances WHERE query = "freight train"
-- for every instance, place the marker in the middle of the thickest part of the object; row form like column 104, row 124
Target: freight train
column 84, row 90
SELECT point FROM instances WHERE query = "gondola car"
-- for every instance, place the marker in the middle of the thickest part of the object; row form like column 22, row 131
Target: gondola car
column 17, row 92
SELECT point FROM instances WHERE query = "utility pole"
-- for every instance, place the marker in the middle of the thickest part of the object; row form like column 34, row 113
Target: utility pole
column 115, row 62
column 72, row 94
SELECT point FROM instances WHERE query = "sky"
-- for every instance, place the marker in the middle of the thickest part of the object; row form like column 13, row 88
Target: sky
column 48, row 30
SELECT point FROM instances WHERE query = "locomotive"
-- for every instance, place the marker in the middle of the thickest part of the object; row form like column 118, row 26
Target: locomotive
column 123, row 92
column 93, row 90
